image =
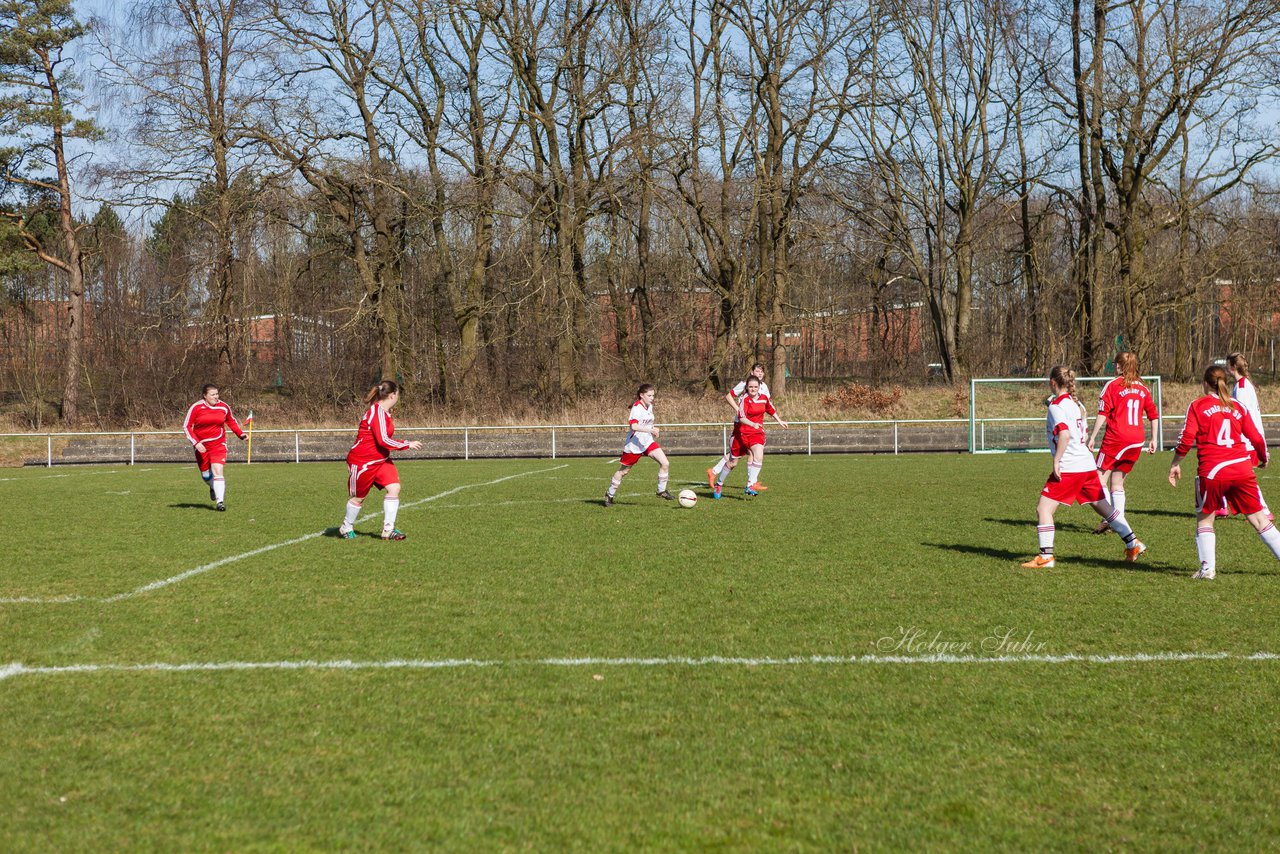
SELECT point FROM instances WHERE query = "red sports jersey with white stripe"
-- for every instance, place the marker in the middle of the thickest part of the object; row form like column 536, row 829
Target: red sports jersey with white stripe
column 1218, row 433
column 1124, row 409
column 374, row 437
column 205, row 423
column 755, row 410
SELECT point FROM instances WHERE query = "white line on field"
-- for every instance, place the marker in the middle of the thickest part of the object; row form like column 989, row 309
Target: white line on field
column 76, row 474
column 19, row 669
column 183, row 576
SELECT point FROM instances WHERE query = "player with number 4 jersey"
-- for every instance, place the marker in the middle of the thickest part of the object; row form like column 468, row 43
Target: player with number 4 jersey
column 1217, row 428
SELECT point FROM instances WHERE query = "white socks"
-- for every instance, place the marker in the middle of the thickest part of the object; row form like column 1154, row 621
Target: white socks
column 662, row 482
column 1044, row 533
column 389, row 508
column 349, row 520
column 615, row 482
column 1207, row 548
column 719, row 466
column 219, row 489
column 1271, row 537
column 753, row 474
column 1117, row 501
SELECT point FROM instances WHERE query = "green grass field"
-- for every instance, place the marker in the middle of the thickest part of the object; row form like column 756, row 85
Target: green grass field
column 530, row 670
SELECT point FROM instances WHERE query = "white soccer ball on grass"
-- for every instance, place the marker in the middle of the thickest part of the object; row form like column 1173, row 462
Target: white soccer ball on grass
column 687, row 498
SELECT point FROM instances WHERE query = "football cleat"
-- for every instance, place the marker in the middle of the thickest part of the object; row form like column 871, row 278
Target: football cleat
column 759, row 487
column 1102, row 528
column 711, row 478
column 1131, row 554
column 715, row 490
column 393, row 534
column 213, row 496
column 608, row 500
column 220, row 506
column 666, row 495
column 1039, row 562
column 750, row 491
column 1205, row 572
column 346, row 533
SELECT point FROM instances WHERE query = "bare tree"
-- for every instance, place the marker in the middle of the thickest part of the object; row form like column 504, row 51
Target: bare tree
column 189, row 71
column 935, row 139
column 333, row 134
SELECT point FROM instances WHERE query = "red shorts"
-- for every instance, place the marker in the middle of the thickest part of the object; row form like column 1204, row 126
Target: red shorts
column 1236, row 496
column 361, row 477
column 1075, row 487
column 632, row 459
column 740, row 444
column 213, row 453
column 1119, row 458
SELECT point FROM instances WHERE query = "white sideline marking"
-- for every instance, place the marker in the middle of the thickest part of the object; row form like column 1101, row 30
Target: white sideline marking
column 183, row 576
column 19, row 669
column 77, row 474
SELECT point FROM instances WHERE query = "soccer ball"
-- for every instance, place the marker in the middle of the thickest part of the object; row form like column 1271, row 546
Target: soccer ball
column 687, row 498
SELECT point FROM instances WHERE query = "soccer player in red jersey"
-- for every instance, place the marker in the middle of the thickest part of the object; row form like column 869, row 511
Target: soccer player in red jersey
column 1122, row 405
column 748, row 437
column 733, row 397
column 206, row 428
column 1074, row 478
column 1218, row 426
column 369, row 461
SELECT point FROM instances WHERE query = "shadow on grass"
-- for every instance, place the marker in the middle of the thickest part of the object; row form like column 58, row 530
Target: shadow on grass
column 1016, row 558
column 337, row 535
column 1030, row 524
column 189, row 506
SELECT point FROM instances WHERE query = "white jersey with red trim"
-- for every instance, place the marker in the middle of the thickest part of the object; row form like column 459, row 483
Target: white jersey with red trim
column 1246, row 395
column 1065, row 423
column 640, row 436
column 374, row 437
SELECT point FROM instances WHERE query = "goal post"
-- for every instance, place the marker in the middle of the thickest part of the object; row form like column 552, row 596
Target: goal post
column 1006, row 414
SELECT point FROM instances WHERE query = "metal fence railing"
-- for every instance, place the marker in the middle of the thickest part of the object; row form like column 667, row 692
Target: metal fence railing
column 1027, row 434
column 889, row 436
column 487, row 441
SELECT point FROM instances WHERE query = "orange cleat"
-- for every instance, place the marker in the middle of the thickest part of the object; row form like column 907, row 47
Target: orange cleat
column 1039, row 562
column 759, row 487
column 711, row 478
column 1131, row 555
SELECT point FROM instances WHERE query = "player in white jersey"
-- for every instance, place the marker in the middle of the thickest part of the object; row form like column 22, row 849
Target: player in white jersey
column 1245, row 394
column 1073, row 478
column 642, row 441
column 734, row 398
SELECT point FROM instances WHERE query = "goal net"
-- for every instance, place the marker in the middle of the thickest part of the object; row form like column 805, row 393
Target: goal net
column 1006, row 415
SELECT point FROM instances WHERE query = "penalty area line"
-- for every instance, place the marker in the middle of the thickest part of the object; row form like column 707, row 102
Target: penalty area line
column 18, row 669
column 203, row 568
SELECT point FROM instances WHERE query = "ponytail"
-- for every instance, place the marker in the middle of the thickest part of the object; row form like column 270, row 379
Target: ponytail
column 381, row 391
column 1064, row 378
column 1215, row 377
column 1239, row 364
column 1127, row 367
column 643, row 388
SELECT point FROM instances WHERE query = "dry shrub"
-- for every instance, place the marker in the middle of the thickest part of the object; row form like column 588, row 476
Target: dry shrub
column 861, row 397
